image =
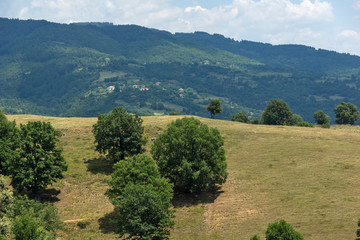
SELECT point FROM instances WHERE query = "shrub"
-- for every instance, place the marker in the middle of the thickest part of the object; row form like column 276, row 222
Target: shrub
column 321, row 118
column 240, row 117
column 304, row 124
column 282, row 231
column 83, row 225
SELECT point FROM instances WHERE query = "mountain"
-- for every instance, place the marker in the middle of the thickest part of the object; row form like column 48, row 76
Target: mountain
column 84, row 69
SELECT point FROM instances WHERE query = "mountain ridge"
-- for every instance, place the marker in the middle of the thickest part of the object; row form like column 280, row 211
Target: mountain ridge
column 64, row 70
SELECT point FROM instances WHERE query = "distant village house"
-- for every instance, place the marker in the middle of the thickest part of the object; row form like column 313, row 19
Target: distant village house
column 110, row 88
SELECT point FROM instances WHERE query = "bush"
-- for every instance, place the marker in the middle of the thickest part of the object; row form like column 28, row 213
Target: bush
column 295, row 119
column 191, row 155
column 282, row 231
column 321, row 118
column 83, row 225
column 255, row 121
column 34, row 220
column 304, row 124
column 174, row 113
column 277, row 112
column 255, row 237
column 6, row 209
column 240, row 117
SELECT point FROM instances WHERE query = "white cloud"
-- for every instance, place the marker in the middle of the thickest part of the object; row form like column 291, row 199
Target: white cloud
column 357, row 5
column 349, row 34
column 194, row 9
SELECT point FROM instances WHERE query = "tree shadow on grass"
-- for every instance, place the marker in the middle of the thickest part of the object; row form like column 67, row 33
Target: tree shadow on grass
column 48, row 195
column 107, row 223
column 100, row 165
column 187, row 200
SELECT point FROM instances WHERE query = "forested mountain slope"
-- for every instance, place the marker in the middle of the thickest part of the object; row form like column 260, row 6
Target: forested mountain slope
column 67, row 69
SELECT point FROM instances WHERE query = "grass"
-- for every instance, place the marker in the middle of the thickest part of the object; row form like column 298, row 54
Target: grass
column 307, row 176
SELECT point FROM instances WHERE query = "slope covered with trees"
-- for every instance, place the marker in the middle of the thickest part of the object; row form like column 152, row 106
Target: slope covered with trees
column 90, row 68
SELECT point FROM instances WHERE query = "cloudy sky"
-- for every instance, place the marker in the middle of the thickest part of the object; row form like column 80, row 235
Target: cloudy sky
column 326, row 24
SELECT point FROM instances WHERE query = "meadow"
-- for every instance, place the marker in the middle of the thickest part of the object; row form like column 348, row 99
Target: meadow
column 306, row 176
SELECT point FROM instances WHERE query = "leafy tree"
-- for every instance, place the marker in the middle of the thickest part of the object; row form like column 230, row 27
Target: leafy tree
column 38, row 161
column 191, row 155
column 214, row 107
column 8, row 142
column 138, row 170
column 34, row 220
column 6, row 209
column 358, row 230
column 277, row 112
column 119, row 134
column 142, row 198
column 240, row 117
column 346, row 113
column 282, row 231
column 321, row 118
column 143, row 213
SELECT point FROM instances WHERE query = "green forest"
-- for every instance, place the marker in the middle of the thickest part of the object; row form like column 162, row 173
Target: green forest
column 83, row 69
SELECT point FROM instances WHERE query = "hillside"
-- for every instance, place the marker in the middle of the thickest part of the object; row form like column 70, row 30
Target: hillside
column 307, row 176
column 65, row 69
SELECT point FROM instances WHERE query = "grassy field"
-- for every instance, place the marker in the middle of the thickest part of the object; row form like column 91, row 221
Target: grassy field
column 307, row 176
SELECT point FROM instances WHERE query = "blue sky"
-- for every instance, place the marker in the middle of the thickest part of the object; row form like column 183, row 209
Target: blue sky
column 326, row 24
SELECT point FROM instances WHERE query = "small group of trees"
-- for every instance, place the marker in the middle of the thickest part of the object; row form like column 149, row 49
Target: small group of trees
column 278, row 112
column 24, row 218
column 30, row 157
column 188, row 156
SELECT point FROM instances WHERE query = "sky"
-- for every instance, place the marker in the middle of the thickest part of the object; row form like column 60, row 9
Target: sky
column 326, row 24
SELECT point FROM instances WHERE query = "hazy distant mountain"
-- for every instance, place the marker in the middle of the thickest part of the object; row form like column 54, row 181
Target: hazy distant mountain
column 86, row 68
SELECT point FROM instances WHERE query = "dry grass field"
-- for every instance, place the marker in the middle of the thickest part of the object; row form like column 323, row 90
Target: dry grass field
column 307, row 176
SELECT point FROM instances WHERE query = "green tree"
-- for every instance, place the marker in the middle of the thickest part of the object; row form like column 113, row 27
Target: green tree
column 38, row 161
column 277, row 112
column 142, row 198
column 240, row 117
column 33, row 220
column 191, row 155
column 358, row 230
column 8, row 142
column 137, row 170
column 282, row 231
column 119, row 134
column 346, row 113
column 6, row 209
column 214, row 107
column 321, row 118
column 143, row 213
